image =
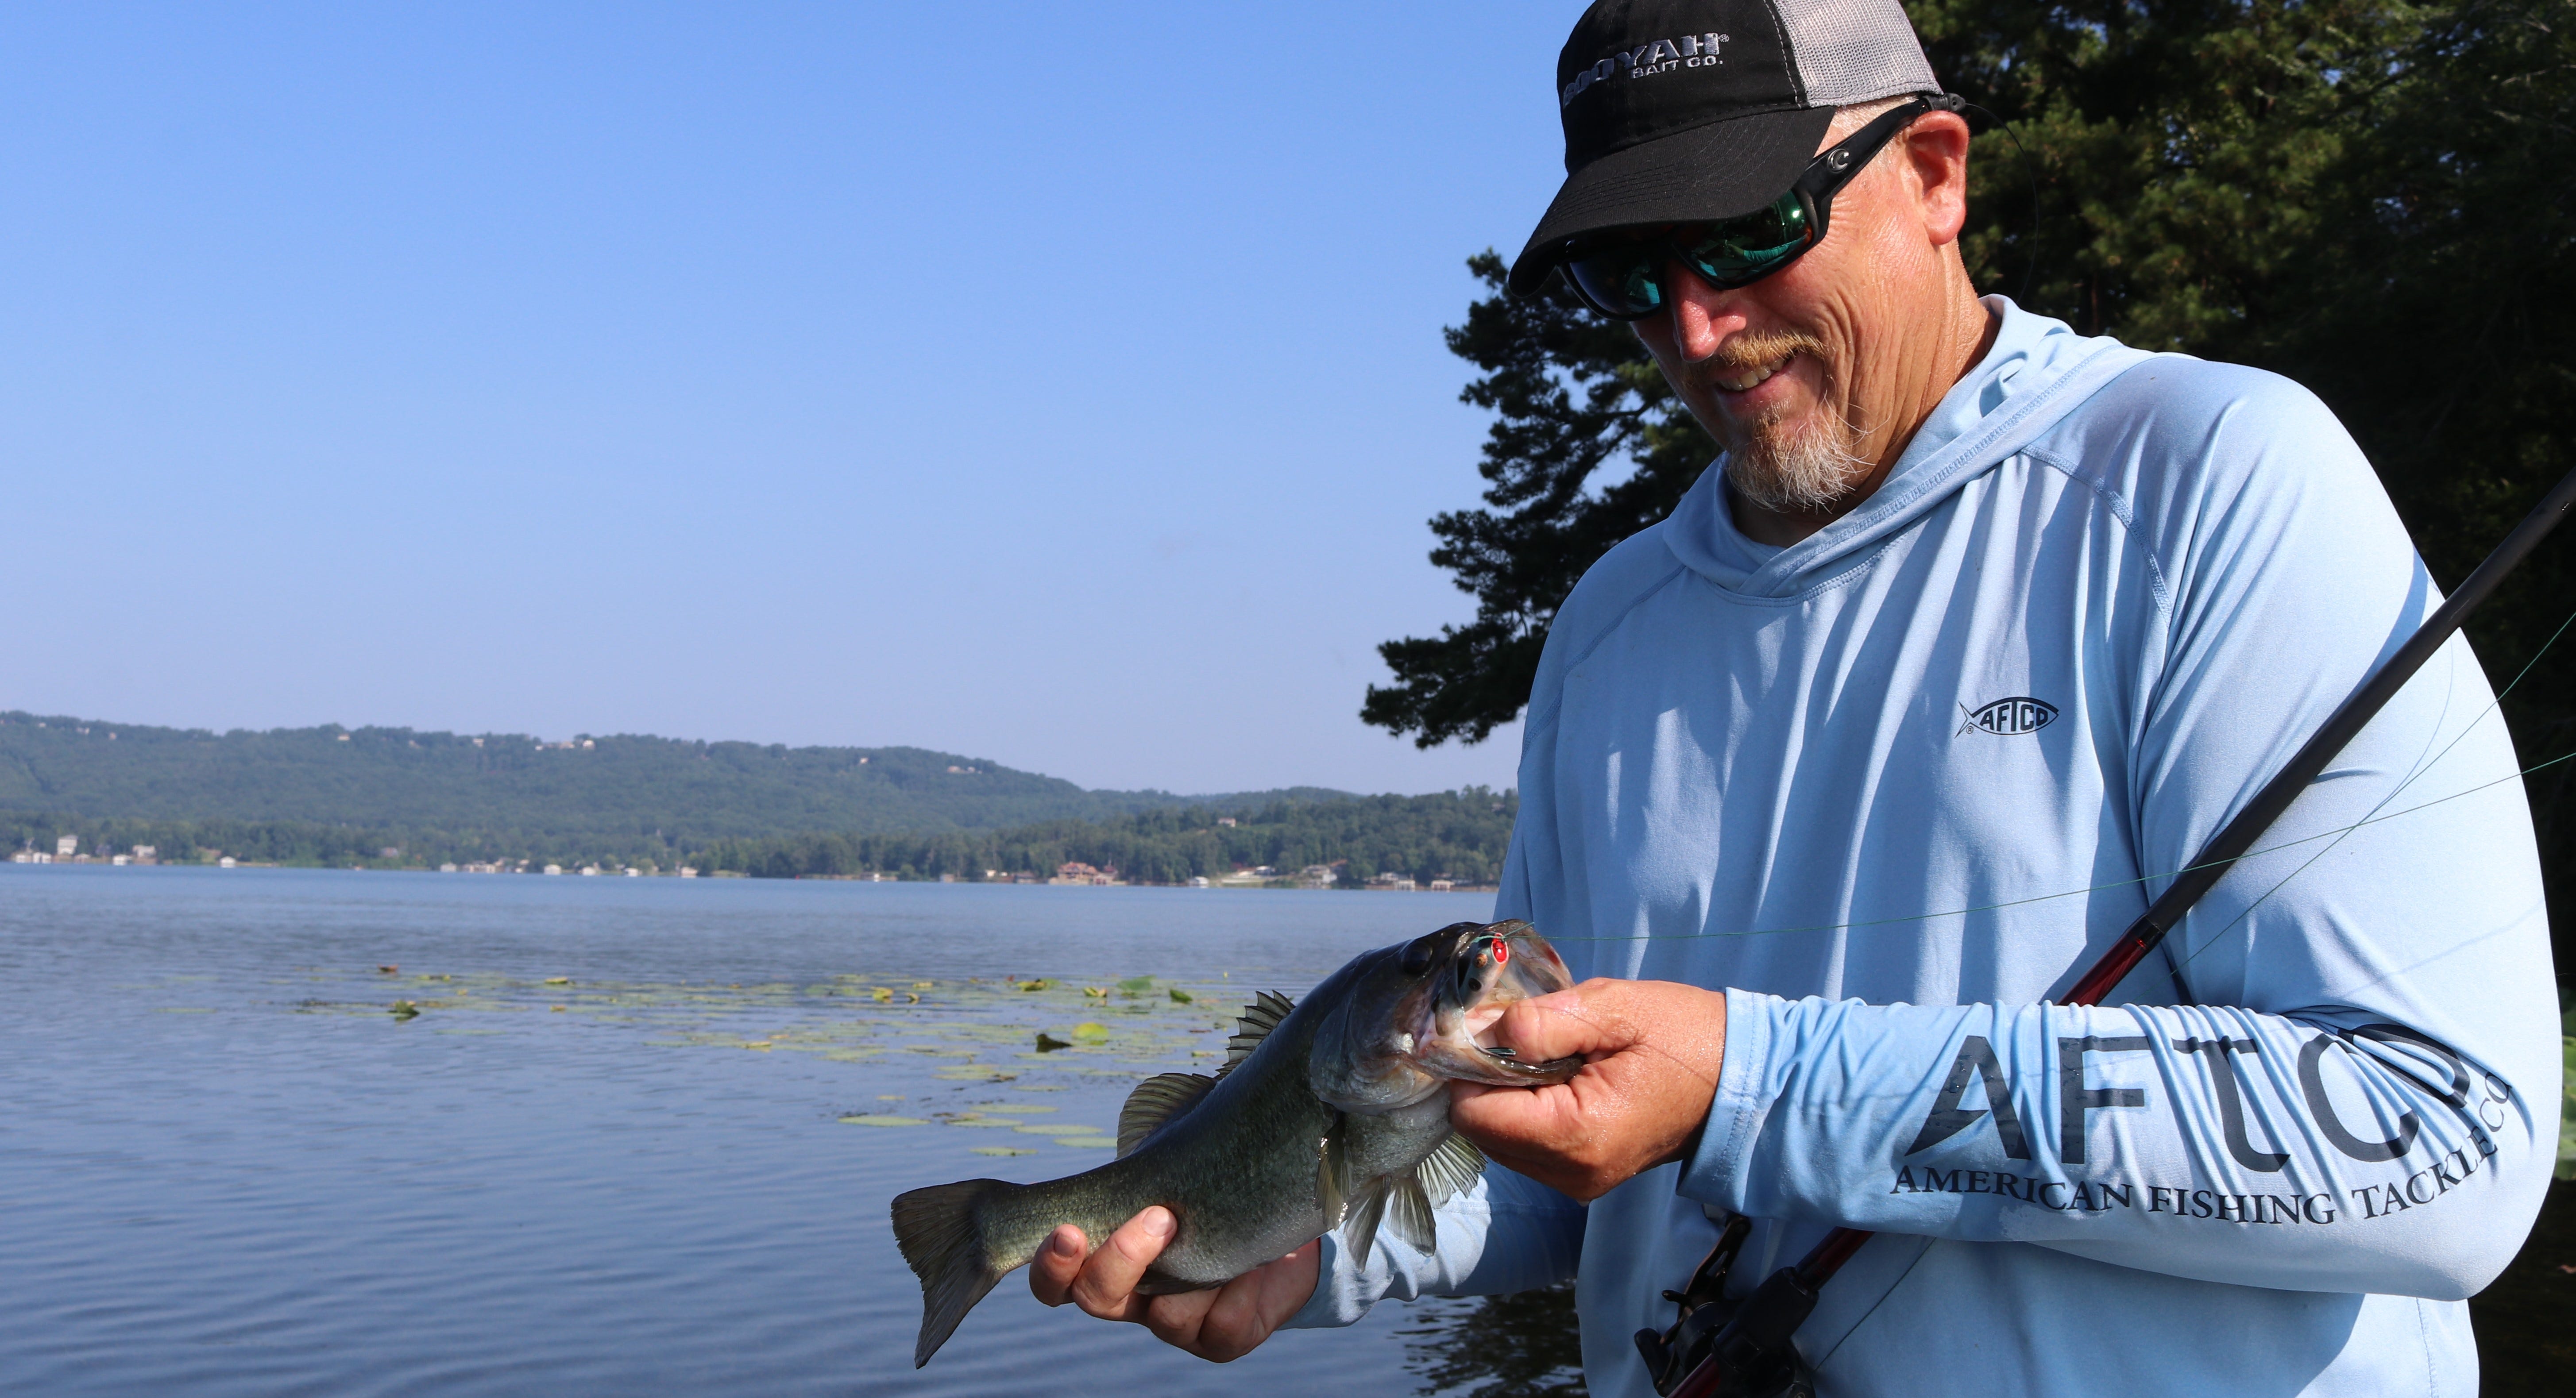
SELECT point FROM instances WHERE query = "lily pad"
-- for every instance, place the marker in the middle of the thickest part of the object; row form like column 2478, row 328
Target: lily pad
column 880, row 1119
column 1089, row 1032
column 1088, row 1142
column 1001, row 1150
column 1137, row 985
column 983, row 1121
column 1182, row 997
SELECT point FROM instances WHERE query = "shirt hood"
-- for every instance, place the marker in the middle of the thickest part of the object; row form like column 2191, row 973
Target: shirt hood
column 2037, row 371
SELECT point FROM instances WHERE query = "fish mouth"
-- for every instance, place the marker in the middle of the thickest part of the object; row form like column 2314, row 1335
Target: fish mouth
column 1489, row 969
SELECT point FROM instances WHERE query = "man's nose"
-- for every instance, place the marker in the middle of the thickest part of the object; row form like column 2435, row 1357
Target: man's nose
column 1702, row 315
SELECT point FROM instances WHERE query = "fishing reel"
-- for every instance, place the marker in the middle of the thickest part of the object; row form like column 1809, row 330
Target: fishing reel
column 1719, row 1348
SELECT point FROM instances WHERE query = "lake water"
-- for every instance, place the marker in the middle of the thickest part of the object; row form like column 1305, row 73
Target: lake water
column 227, row 1168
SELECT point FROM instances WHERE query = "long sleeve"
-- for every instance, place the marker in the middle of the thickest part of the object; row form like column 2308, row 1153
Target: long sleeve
column 2342, row 1153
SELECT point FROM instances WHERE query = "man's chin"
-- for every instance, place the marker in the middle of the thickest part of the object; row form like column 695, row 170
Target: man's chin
column 1806, row 471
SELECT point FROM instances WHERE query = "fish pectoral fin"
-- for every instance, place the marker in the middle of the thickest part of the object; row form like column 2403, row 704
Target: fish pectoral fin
column 1359, row 1231
column 1408, row 1213
column 1450, row 1170
column 1333, row 1174
column 1157, row 1101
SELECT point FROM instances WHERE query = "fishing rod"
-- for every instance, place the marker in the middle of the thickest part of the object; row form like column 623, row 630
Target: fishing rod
column 1751, row 1354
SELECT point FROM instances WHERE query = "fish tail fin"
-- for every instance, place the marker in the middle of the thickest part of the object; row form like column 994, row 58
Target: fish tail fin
column 941, row 1232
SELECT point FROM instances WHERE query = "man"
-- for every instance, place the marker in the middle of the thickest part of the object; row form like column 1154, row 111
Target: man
column 1840, row 774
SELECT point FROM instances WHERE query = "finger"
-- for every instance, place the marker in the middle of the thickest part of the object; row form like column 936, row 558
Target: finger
column 1107, row 1286
column 1514, row 1114
column 1235, row 1319
column 1232, row 1326
column 1058, row 1262
column 1575, row 1023
column 1178, row 1319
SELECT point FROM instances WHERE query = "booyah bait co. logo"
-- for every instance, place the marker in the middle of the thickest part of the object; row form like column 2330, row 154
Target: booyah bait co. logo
column 2010, row 717
column 1647, row 60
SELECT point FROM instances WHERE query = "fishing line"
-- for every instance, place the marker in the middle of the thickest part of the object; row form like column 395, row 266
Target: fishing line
column 2373, row 817
column 2075, row 892
column 2221, row 934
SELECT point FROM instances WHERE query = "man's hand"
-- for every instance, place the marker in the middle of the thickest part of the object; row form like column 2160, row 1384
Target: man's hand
column 1222, row 1325
column 1652, row 1051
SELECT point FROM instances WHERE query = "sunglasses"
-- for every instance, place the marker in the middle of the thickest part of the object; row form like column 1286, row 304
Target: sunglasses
column 1621, row 275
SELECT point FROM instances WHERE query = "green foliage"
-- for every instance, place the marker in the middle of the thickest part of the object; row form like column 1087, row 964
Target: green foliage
column 2368, row 196
column 1576, row 402
column 1457, row 835
column 332, row 795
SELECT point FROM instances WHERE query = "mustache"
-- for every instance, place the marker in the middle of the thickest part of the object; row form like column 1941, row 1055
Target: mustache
column 1752, row 350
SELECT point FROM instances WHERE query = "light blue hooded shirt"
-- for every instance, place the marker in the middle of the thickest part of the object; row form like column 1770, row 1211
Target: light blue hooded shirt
column 1896, row 786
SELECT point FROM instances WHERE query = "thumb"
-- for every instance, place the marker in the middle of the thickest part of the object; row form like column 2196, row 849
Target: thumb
column 1563, row 1024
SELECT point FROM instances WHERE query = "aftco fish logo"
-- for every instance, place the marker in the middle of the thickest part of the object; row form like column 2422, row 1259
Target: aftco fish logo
column 1646, row 60
column 2008, row 717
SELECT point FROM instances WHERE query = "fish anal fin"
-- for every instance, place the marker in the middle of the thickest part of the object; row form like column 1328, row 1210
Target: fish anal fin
column 1359, row 1230
column 1408, row 1214
column 1258, row 1019
column 1450, row 1170
column 1157, row 1101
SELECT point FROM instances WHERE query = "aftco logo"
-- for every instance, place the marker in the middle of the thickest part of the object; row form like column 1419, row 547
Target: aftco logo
column 2010, row 717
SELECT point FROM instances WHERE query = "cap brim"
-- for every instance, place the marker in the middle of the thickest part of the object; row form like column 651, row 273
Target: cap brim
column 1719, row 170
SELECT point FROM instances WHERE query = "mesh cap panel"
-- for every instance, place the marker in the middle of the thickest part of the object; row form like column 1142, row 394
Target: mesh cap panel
column 1850, row 51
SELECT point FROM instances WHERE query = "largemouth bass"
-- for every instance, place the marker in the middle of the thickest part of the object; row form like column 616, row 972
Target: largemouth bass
column 1329, row 1114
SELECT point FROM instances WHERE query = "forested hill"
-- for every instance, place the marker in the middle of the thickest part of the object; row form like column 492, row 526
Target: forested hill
column 611, row 794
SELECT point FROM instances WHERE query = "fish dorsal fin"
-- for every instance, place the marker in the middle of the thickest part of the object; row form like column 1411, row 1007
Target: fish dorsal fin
column 1451, row 1170
column 1259, row 1018
column 1157, row 1100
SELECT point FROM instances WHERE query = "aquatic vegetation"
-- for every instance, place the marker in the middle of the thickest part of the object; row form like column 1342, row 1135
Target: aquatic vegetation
column 977, row 1035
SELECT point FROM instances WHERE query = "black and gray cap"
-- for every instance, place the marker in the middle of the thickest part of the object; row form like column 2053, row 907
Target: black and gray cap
column 1677, row 110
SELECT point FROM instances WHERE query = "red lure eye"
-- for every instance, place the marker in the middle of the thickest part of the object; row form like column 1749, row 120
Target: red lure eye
column 1502, row 951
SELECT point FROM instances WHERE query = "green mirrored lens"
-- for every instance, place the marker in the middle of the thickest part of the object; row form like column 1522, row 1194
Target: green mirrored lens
column 1625, row 278
column 1742, row 250
column 1621, row 280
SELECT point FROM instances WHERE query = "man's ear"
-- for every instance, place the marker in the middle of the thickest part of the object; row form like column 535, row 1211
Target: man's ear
column 1936, row 156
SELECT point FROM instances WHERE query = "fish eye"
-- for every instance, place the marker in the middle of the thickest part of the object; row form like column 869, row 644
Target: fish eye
column 1419, row 952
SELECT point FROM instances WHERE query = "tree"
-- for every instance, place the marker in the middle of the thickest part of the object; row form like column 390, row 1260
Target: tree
column 2369, row 196
column 1577, row 400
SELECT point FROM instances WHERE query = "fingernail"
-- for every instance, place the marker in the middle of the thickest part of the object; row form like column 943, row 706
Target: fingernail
column 1062, row 1243
column 1159, row 1222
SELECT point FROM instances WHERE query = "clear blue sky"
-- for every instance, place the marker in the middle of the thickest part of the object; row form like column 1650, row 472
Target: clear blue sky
column 1059, row 384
